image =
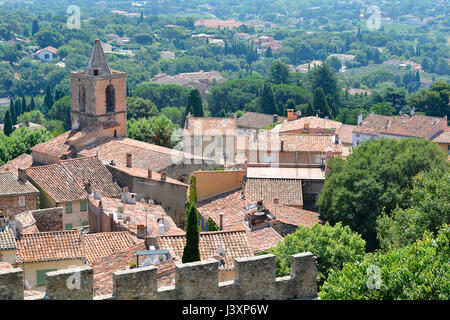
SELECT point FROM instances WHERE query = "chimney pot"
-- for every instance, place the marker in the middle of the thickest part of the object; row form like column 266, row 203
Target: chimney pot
column 22, row 174
column 275, row 118
column 221, row 221
column 149, row 173
column 129, row 160
column 163, row 175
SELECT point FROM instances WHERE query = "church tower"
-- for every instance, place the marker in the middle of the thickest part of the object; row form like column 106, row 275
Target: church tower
column 98, row 96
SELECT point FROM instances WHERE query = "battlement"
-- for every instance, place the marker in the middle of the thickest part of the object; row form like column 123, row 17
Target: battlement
column 254, row 279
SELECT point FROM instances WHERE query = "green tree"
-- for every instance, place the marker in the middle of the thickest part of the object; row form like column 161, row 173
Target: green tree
column 266, row 99
column 194, row 104
column 320, row 103
column 335, row 63
column 24, row 105
column 384, row 108
column 157, row 130
column 430, row 209
column 191, row 250
column 418, row 271
column 7, row 128
column 324, row 77
column 49, row 37
column 12, row 110
column 279, row 73
column 140, row 108
column 434, row 101
column 332, row 245
column 17, row 108
column 48, row 99
column 34, row 116
column 377, row 176
column 61, row 111
column 32, row 105
column 35, row 27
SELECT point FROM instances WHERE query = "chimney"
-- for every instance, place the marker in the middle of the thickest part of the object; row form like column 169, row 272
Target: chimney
column 129, row 160
column 275, row 118
column 360, row 119
column 163, row 176
column 140, row 234
column 220, row 220
column 291, row 115
column 306, row 125
column 149, row 173
column 22, row 174
column 281, row 145
column 88, row 187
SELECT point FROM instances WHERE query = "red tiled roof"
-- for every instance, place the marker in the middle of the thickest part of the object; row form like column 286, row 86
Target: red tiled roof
column 210, row 125
column 57, row 146
column 11, row 185
column 263, row 239
column 99, row 245
column 287, row 191
column 293, row 216
column 444, row 137
column 235, row 244
column 313, row 122
column 137, row 213
column 271, row 141
column 345, row 133
column 416, row 126
column 144, row 155
column 49, row 246
column 23, row 161
column 256, row 120
column 64, row 181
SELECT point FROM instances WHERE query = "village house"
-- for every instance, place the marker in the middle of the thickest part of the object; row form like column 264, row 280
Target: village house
column 443, row 140
column 68, row 183
column 16, row 194
column 211, row 137
column 47, row 54
column 42, row 252
column 140, row 219
column 218, row 24
column 152, row 186
column 377, row 126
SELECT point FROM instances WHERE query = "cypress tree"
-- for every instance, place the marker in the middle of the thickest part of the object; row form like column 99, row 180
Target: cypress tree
column 320, row 103
column 32, row 106
column 24, row 105
column 191, row 251
column 309, row 109
column 267, row 100
column 194, row 104
column 12, row 111
column 8, row 127
column 35, row 27
column 17, row 108
column 48, row 99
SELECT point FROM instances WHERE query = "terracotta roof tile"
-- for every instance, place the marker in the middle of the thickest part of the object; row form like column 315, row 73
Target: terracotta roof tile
column 210, row 125
column 49, row 246
column 235, row 244
column 142, row 173
column 272, row 141
column 64, row 181
column 345, row 133
column 23, row 161
column 313, row 122
column 263, row 239
column 7, row 240
column 287, row 191
column 98, row 245
column 137, row 213
column 11, row 185
column 416, row 126
column 256, row 120
column 444, row 137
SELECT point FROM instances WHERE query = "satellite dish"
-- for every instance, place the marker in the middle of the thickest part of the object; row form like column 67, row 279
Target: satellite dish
column 163, row 226
column 221, row 252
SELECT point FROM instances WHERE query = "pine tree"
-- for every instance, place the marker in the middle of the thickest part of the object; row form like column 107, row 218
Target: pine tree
column 191, row 251
column 8, row 127
column 194, row 104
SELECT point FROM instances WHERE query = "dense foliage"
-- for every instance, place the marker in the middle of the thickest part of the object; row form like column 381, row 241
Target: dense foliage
column 376, row 177
column 332, row 245
column 418, row 271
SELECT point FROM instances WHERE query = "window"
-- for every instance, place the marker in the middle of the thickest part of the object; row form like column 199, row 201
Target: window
column 85, row 223
column 83, row 205
column 219, row 141
column 110, row 99
column 68, row 207
column 40, row 276
column 82, row 98
column 95, row 72
column 46, row 56
column 197, row 141
column 21, row 201
column 68, row 226
column 318, row 159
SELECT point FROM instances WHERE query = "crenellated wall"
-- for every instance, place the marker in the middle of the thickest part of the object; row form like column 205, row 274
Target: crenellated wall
column 254, row 279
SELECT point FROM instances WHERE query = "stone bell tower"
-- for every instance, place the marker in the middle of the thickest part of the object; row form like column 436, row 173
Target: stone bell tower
column 98, row 97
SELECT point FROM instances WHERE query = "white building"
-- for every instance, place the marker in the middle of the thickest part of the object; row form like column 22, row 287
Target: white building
column 47, row 54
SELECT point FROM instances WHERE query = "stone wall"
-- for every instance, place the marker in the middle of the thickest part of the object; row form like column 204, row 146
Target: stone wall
column 254, row 279
column 12, row 204
column 50, row 219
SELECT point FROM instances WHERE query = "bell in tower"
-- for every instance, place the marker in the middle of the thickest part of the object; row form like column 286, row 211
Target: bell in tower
column 98, row 96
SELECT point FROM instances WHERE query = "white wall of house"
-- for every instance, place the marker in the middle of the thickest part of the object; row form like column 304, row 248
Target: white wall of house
column 359, row 138
column 45, row 56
